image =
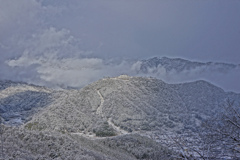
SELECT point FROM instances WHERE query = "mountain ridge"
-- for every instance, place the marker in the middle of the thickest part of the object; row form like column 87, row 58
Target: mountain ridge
column 131, row 95
column 114, row 112
column 179, row 65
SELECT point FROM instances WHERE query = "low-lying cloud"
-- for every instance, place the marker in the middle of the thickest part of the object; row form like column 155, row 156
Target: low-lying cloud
column 221, row 74
column 68, row 72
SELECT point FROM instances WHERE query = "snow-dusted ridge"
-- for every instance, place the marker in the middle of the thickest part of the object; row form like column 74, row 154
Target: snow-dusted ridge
column 19, row 101
column 127, row 103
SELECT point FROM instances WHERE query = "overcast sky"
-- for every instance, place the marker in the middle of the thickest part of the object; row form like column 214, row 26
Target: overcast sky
column 200, row 29
column 36, row 34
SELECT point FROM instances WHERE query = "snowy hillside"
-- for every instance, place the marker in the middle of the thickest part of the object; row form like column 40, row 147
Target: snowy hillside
column 113, row 107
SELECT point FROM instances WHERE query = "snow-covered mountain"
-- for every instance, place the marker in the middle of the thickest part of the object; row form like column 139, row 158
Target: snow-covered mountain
column 134, row 104
column 180, row 65
column 113, row 107
column 131, row 103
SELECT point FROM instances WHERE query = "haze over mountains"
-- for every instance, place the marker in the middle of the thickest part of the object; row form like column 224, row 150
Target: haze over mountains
column 78, row 72
column 175, row 70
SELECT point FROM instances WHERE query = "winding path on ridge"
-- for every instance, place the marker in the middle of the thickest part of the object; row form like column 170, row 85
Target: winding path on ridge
column 99, row 109
column 109, row 120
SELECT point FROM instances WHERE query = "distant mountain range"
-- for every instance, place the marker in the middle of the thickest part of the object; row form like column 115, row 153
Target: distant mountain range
column 180, row 65
column 114, row 107
column 177, row 70
column 77, row 73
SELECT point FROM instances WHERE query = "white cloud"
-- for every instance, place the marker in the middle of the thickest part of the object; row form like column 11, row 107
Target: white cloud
column 51, row 41
column 46, row 55
column 67, row 72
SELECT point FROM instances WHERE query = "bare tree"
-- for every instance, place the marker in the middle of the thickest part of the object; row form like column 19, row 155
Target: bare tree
column 219, row 137
column 225, row 129
column 188, row 145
